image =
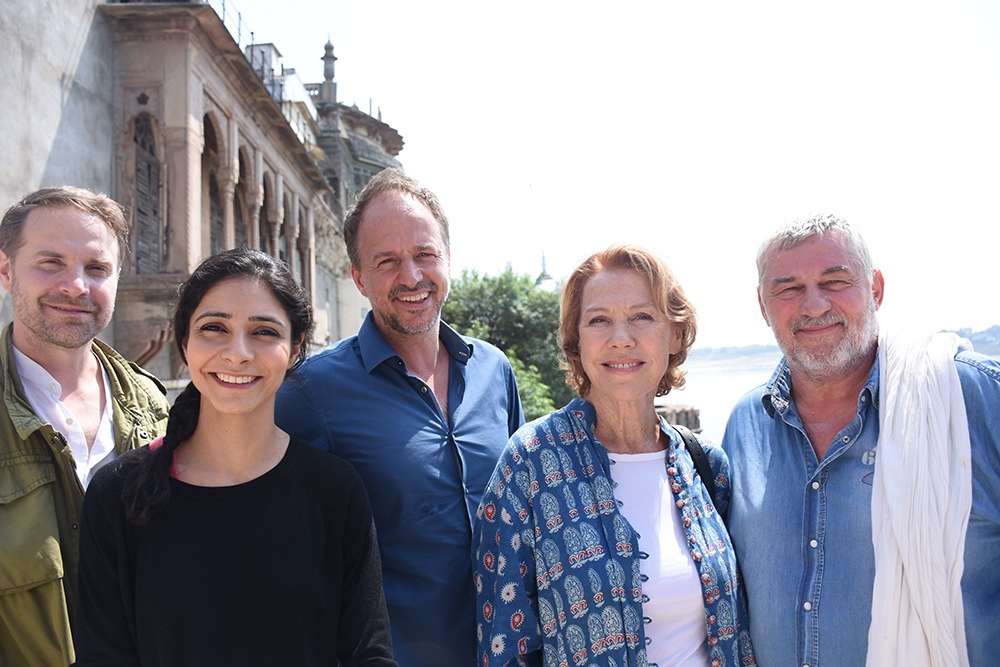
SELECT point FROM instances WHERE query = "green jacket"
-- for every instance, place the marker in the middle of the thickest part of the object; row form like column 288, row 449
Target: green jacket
column 40, row 501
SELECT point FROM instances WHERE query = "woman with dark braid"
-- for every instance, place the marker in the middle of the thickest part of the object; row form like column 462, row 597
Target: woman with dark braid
column 226, row 542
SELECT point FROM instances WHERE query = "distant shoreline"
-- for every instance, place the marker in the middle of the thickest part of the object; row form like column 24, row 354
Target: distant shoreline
column 985, row 342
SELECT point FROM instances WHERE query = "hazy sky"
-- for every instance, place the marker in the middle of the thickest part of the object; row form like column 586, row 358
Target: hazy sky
column 693, row 128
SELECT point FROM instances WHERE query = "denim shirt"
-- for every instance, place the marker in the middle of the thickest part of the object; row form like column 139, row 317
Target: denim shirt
column 557, row 565
column 424, row 471
column 802, row 527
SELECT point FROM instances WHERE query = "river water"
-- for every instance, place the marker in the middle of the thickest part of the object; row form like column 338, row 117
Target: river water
column 716, row 380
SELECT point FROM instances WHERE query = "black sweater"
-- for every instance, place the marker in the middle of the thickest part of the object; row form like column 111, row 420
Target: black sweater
column 281, row 570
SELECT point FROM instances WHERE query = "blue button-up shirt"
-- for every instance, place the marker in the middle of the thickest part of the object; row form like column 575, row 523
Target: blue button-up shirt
column 425, row 472
column 802, row 527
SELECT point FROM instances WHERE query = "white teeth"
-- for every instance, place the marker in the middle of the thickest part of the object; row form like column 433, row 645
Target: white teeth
column 415, row 297
column 236, row 379
column 631, row 364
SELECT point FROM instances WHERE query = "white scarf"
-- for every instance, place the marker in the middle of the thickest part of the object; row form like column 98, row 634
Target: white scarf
column 921, row 497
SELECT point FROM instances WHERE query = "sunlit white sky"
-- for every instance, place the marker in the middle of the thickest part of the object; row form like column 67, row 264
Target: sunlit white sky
column 693, row 128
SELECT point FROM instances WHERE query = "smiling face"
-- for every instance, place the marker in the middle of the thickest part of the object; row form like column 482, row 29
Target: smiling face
column 625, row 341
column 62, row 280
column 821, row 307
column 239, row 347
column 403, row 265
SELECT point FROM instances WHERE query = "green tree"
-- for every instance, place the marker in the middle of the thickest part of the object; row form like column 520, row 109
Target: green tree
column 535, row 396
column 511, row 312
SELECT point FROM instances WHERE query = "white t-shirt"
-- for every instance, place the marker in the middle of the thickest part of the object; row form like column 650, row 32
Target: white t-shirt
column 677, row 634
column 43, row 392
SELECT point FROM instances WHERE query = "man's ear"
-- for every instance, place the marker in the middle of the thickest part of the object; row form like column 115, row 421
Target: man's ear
column 878, row 288
column 356, row 275
column 6, row 271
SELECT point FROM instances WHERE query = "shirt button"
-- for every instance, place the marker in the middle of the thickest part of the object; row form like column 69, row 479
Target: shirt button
column 847, row 438
column 807, row 606
column 69, row 420
column 423, row 390
column 815, row 485
column 813, row 543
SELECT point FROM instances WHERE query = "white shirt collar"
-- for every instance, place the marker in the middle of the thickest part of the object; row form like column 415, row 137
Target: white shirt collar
column 43, row 393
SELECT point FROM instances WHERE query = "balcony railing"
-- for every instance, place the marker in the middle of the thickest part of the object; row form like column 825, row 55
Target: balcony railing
column 232, row 18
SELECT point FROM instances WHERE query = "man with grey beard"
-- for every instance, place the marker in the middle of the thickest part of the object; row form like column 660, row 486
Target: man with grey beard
column 866, row 473
column 421, row 412
column 70, row 405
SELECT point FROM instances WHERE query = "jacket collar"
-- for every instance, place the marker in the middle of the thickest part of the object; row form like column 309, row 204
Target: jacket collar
column 130, row 397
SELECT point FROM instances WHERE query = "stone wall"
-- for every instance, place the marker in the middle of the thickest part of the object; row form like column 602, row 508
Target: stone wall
column 685, row 415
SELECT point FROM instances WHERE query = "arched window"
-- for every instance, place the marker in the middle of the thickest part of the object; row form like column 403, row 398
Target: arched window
column 240, row 213
column 216, row 223
column 266, row 243
column 302, row 265
column 148, row 217
column 217, row 230
column 284, row 243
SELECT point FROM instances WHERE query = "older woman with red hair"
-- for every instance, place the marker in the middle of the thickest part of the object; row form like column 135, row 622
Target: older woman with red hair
column 596, row 542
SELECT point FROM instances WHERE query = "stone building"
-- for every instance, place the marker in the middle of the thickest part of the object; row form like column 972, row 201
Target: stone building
column 209, row 142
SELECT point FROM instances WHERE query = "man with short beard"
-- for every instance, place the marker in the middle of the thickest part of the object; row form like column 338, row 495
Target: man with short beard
column 420, row 411
column 71, row 404
column 865, row 473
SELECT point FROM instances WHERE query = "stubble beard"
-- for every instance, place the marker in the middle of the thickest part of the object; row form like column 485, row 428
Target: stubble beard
column 36, row 317
column 395, row 323
column 848, row 354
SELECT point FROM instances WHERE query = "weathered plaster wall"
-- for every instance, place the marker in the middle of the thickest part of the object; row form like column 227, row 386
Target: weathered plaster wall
column 57, row 106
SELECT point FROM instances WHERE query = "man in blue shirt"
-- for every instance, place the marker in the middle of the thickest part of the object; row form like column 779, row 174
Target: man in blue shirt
column 421, row 412
column 808, row 495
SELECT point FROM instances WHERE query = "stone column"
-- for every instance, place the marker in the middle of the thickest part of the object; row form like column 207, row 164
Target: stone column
column 307, row 248
column 276, row 216
column 255, row 198
column 292, row 233
column 227, row 187
column 184, row 146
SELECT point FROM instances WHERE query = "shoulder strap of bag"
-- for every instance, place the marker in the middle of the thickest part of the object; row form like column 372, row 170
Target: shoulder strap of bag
column 700, row 459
